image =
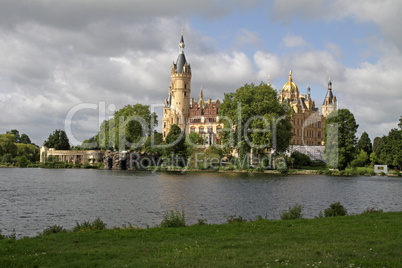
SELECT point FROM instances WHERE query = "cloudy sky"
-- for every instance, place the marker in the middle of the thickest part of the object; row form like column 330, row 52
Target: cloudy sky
column 81, row 60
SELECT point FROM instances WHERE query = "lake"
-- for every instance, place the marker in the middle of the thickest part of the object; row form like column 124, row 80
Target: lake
column 34, row 199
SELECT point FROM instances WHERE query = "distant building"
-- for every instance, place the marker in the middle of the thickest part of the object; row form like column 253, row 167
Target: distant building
column 71, row 156
column 307, row 122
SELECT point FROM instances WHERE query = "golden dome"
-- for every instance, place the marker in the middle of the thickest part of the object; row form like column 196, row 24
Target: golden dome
column 290, row 86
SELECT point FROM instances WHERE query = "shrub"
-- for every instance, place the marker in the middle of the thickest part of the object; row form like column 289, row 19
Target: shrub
column 233, row 219
column 173, row 219
column 372, row 210
column 201, row 222
column 281, row 167
column 300, row 159
column 7, row 158
column 22, row 161
column 334, row 210
column 293, row 213
column 97, row 224
column 1, row 235
column 55, row 229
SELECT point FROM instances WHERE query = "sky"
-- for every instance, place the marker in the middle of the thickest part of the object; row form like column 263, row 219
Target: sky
column 70, row 64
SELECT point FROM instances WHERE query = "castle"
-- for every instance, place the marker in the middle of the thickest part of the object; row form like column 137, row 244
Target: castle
column 202, row 117
column 191, row 116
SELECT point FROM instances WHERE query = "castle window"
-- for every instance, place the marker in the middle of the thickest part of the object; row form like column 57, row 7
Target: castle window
column 185, row 87
column 201, row 130
column 164, row 134
column 185, row 93
column 202, row 111
column 164, row 125
column 319, row 124
column 178, row 120
column 192, row 129
column 209, row 129
column 319, row 134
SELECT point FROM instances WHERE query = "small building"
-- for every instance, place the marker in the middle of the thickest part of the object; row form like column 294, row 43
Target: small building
column 72, row 156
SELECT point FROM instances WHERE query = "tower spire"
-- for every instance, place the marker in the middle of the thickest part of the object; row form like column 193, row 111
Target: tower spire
column 181, row 44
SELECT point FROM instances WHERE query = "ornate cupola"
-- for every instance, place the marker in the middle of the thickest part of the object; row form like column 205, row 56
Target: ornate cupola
column 290, row 89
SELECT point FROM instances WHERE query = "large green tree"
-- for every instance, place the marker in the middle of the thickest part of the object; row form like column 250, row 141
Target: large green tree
column 58, row 140
column 129, row 128
column 175, row 146
column 133, row 124
column 25, row 139
column 254, row 119
column 377, row 144
column 340, row 138
column 364, row 144
column 391, row 150
column 8, row 144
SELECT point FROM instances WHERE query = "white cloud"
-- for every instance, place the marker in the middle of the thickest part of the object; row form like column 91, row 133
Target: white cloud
column 294, row 41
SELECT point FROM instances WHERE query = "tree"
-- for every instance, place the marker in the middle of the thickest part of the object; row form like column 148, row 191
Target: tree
column 339, row 137
column 361, row 159
column 7, row 143
column 58, row 140
column 255, row 119
column 391, row 149
column 377, row 144
column 25, row 139
column 133, row 124
column 364, row 143
column 152, row 143
column 177, row 147
column 16, row 133
column 196, row 139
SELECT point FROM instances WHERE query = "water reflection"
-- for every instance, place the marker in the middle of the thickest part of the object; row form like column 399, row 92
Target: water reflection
column 33, row 199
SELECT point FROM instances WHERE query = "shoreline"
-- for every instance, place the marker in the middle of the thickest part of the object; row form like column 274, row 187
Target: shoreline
column 290, row 172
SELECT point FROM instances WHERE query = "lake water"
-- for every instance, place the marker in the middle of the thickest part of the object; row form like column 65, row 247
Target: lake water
column 33, row 199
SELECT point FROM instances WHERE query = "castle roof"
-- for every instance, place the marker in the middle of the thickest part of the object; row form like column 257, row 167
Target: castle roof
column 181, row 59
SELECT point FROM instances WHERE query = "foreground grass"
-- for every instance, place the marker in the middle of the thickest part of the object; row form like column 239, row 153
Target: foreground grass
column 370, row 240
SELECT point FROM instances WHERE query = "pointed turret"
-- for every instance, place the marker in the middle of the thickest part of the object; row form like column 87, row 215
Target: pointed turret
column 201, row 101
column 181, row 58
column 330, row 104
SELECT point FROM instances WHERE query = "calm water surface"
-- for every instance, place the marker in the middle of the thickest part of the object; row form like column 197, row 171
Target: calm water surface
column 33, row 199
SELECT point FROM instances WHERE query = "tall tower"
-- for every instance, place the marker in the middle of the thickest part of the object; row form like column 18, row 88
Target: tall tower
column 330, row 103
column 176, row 108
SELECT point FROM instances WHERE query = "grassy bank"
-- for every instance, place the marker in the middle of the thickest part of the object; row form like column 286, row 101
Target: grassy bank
column 369, row 240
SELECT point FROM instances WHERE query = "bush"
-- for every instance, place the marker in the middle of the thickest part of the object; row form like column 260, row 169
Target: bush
column 97, row 224
column 372, row 210
column 281, row 167
column 1, row 235
column 22, row 161
column 7, row 158
column 173, row 219
column 293, row 213
column 201, row 222
column 233, row 219
column 300, row 159
column 334, row 210
column 55, row 229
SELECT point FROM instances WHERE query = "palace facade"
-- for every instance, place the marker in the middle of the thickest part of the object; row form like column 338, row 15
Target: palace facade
column 307, row 122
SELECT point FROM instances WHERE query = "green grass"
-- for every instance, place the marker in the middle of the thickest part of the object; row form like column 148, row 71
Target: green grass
column 369, row 240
